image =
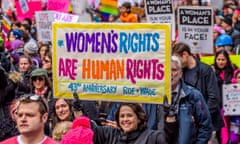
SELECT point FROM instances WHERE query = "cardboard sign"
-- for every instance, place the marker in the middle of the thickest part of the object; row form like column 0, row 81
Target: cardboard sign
column 7, row 4
column 231, row 99
column 210, row 59
column 195, row 28
column 58, row 5
column 160, row 11
column 137, row 10
column 79, row 8
column 27, row 8
column 113, row 62
column 44, row 20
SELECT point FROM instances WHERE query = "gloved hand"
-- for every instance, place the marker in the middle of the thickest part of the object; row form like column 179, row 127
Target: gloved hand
column 169, row 110
column 76, row 104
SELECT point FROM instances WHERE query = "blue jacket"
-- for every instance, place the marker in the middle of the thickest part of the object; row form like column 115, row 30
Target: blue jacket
column 194, row 117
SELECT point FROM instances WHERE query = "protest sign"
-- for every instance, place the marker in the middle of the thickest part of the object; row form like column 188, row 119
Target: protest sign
column 231, row 99
column 217, row 4
column 44, row 20
column 138, row 10
column 65, row 18
column 26, row 9
column 210, row 59
column 7, row 4
column 79, row 8
column 58, row 5
column 160, row 11
column 195, row 28
column 113, row 62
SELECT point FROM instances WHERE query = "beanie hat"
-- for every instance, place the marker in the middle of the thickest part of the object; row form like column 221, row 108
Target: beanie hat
column 228, row 20
column 81, row 121
column 15, row 56
column 218, row 29
column 16, row 33
column 31, row 47
column 81, row 133
column 16, row 44
column 39, row 72
column 235, row 73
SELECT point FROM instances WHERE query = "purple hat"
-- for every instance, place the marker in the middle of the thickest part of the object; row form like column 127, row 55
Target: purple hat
column 15, row 56
column 16, row 44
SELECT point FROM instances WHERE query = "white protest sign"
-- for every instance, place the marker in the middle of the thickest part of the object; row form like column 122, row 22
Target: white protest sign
column 231, row 99
column 65, row 18
column 44, row 21
column 7, row 4
column 79, row 8
column 195, row 28
column 217, row 4
column 160, row 11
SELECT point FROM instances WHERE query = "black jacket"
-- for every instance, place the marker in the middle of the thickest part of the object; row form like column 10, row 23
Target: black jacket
column 235, row 35
column 109, row 135
column 205, row 80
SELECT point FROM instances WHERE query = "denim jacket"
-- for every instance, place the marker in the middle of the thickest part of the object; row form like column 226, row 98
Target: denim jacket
column 193, row 117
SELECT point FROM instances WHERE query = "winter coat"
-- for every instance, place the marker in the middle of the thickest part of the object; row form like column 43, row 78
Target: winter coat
column 227, row 80
column 206, row 82
column 194, row 117
column 23, row 85
column 235, row 35
column 109, row 135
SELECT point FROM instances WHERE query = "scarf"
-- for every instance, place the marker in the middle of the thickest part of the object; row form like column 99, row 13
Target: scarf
column 129, row 138
column 41, row 92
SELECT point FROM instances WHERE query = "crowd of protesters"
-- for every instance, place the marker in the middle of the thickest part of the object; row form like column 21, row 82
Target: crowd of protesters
column 29, row 112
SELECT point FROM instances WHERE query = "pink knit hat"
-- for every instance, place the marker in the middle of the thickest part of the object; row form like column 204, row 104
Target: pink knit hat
column 218, row 29
column 81, row 132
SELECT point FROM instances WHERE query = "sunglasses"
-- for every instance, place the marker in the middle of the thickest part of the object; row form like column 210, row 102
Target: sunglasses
column 37, row 78
column 34, row 98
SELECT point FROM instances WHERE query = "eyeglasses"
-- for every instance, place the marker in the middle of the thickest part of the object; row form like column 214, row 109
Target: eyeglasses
column 37, row 78
column 35, row 98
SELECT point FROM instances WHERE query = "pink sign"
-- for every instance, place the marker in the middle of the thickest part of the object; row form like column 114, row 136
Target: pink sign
column 27, row 8
column 58, row 5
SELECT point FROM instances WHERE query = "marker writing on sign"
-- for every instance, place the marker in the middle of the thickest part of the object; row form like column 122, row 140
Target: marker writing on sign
column 138, row 42
column 103, row 69
column 96, row 42
column 144, row 69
